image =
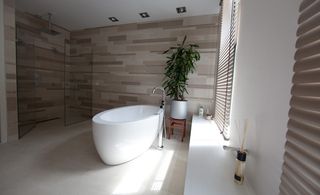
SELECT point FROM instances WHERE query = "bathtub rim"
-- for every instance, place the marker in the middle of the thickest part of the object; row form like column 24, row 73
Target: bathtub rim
column 97, row 119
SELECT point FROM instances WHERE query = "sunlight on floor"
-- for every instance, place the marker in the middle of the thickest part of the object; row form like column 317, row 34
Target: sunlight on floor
column 162, row 172
column 67, row 163
column 142, row 167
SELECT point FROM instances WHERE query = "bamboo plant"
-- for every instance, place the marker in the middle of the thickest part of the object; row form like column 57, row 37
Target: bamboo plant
column 181, row 62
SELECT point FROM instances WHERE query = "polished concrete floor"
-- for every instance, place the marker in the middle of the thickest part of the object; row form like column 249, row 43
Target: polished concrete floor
column 53, row 159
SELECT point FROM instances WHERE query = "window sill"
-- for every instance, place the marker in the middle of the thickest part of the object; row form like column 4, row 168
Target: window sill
column 210, row 169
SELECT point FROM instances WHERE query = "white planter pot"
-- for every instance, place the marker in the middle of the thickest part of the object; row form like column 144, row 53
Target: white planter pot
column 179, row 109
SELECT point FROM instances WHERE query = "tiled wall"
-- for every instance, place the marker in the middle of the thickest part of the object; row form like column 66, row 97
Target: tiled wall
column 103, row 67
column 3, row 94
column 128, row 61
column 10, row 65
column 40, row 69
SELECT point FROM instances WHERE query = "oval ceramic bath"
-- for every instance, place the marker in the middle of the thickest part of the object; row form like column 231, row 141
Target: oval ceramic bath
column 122, row 134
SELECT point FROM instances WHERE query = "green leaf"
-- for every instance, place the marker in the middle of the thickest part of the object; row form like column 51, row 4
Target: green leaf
column 181, row 62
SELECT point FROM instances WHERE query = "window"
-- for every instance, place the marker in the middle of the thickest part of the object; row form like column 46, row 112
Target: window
column 227, row 49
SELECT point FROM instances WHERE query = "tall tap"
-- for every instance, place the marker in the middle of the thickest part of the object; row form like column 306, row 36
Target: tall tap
column 163, row 125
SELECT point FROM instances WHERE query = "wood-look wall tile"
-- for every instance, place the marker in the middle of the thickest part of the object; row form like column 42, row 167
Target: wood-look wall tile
column 117, row 38
column 9, row 52
column 135, row 74
column 127, row 27
column 84, row 33
column 10, row 66
column 168, row 39
column 148, row 25
column 200, row 20
column 128, row 98
column 171, row 24
column 126, row 61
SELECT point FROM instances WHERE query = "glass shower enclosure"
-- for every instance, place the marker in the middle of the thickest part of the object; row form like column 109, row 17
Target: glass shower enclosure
column 26, row 85
column 78, row 87
column 51, row 83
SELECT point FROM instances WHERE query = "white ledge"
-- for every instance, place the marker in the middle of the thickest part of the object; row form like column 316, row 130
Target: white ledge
column 210, row 169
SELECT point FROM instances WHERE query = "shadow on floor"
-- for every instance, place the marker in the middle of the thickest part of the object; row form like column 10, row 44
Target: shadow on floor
column 76, row 154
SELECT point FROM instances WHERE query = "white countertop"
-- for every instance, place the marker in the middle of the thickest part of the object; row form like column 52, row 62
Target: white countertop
column 210, row 169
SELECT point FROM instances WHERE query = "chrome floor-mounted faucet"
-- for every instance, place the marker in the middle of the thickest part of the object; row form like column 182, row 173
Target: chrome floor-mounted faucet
column 162, row 106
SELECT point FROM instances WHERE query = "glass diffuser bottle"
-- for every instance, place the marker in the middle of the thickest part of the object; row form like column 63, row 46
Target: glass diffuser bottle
column 240, row 166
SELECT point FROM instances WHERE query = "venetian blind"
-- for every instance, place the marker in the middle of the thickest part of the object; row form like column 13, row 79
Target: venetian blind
column 301, row 167
column 225, row 66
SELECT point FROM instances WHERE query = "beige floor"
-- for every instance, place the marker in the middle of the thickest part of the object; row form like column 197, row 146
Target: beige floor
column 53, row 159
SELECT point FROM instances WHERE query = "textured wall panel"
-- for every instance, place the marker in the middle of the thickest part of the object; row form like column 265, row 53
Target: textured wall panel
column 127, row 60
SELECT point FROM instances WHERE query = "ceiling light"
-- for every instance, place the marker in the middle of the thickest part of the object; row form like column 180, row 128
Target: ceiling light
column 144, row 15
column 181, row 9
column 113, row 19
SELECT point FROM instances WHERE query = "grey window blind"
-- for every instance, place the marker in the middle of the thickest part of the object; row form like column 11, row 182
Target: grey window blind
column 301, row 167
column 225, row 69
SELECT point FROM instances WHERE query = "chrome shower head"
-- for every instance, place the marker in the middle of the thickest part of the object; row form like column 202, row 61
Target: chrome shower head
column 49, row 29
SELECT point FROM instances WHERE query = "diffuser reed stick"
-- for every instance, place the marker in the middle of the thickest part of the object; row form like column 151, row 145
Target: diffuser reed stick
column 244, row 135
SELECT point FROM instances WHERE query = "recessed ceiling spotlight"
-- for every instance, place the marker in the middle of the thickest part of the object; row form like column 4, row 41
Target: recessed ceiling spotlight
column 144, row 15
column 181, row 9
column 113, row 19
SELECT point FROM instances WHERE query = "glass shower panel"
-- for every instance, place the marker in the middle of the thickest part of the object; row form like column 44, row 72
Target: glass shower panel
column 26, row 85
column 40, row 76
column 78, row 88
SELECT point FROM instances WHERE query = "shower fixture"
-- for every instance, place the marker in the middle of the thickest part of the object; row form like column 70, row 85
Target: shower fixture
column 49, row 29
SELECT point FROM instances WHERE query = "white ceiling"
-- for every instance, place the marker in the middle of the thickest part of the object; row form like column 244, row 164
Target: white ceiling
column 79, row 14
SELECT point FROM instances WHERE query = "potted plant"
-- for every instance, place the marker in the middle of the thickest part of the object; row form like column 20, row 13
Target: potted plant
column 181, row 62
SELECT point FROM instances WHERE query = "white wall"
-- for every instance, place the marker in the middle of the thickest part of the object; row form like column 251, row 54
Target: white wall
column 3, row 102
column 262, row 84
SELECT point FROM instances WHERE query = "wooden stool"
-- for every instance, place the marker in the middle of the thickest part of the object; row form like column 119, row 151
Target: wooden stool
column 177, row 123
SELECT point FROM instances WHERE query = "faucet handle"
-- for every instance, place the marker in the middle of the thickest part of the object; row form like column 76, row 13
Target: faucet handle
column 232, row 148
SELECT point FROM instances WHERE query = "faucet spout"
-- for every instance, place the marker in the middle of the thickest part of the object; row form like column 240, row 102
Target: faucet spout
column 162, row 90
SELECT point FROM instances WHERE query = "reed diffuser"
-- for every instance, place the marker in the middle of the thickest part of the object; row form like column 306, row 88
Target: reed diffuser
column 241, row 158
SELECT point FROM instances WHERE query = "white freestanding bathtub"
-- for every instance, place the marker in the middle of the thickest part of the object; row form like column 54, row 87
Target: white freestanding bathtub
column 122, row 134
